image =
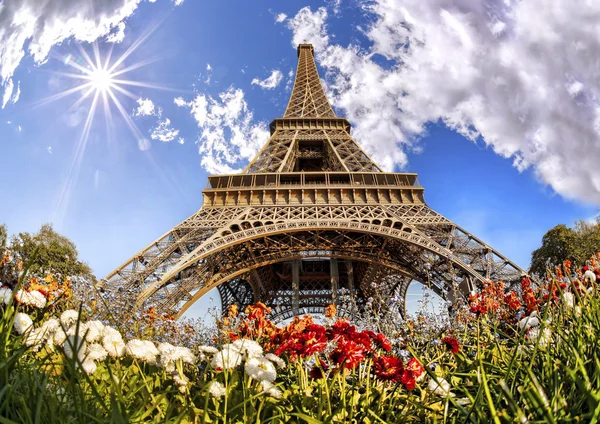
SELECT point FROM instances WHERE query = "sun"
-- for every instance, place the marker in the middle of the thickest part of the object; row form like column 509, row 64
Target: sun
column 101, row 79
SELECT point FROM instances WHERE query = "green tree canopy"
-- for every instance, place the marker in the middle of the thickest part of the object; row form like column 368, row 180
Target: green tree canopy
column 560, row 243
column 47, row 250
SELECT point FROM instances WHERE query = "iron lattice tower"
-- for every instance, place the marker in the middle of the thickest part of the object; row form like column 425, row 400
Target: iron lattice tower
column 312, row 216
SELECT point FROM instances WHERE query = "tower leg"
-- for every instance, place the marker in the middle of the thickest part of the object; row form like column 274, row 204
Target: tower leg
column 296, row 286
column 335, row 279
column 350, row 271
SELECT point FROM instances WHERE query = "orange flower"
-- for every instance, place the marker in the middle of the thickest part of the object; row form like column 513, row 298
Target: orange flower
column 233, row 311
column 330, row 311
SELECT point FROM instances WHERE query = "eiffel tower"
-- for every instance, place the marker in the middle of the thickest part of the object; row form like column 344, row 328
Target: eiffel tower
column 312, row 217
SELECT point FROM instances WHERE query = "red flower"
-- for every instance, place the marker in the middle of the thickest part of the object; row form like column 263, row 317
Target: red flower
column 342, row 328
column 313, row 340
column 452, row 344
column 363, row 339
column 388, row 368
column 415, row 368
column 408, row 380
column 348, row 354
column 317, row 371
column 383, row 342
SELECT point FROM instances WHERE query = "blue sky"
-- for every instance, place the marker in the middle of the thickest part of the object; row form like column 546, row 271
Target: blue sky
column 494, row 158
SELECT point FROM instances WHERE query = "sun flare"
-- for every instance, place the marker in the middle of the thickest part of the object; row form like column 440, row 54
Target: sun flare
column 101, row 79
column 101, row 82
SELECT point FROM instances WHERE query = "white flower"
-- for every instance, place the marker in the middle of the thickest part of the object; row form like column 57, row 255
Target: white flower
column 569, row 300
column 165, row 347
column 52, row 325
column 107, row 330
column 5, row 295
column 271, row 389
column 22, row 322
column 96, row 353
column 113, row 344
column 75, row 344
column 35, row 338
column 93, row 330
column 37, row 299
column 32, row 298
column 251, row 347
column 69, row 317
column 530, row 321
column 181, row 381
column 59, row 336
column 276, row 359
column 232, row 346
column 440, row 387
column 589, row 276
column 203, row 350
column 89, row 367
column 261, row 369
column 216, row 389
column 227, row 358
column 169, row 354
column 142, row 349
column 544, row 336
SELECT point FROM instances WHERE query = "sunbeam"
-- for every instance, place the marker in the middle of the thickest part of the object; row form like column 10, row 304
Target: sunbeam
column 97, row 80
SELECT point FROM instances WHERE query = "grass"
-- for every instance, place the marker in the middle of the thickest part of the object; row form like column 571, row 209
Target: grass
column 501, row 374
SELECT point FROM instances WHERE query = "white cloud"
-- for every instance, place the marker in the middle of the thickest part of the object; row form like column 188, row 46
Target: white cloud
column 17, row 95
column 280, row 17
column 181, row 140
column 8, row 89
column 290, row 80
column 208, row 67
column 49, row 149
column 178, row 2
column 19, row 128
column 179, row 101
column 271, row 82
column 164, row 132
column 228, row 137
column 335, row 5
column 309, row 27
column 118, row 35
column 39, row 25
column 145, row 107
column 520, row 76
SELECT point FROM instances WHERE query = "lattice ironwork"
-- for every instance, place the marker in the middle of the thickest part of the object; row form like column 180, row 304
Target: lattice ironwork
column 311, row 220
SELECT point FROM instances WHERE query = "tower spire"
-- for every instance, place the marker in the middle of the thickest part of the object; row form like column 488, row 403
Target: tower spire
column 310, row 137
column 308, row 98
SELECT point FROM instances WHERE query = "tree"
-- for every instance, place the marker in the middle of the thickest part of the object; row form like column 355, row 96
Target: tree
column 3, row 237
column 560, row 243
column 47, row 250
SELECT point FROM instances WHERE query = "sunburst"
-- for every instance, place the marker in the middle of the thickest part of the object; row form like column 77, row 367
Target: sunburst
column 102, row 81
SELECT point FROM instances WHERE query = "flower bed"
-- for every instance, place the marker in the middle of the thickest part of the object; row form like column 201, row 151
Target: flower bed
column 530, row 355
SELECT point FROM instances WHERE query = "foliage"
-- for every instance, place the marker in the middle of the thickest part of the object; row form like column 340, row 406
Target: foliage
column 48, row 250
column 528, row 355
column 563, row 243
